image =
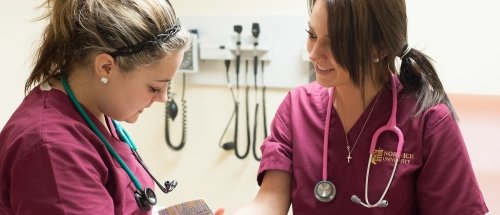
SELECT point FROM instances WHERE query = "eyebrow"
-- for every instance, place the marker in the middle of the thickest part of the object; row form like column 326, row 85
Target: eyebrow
column 163, row 80
column 312, row 30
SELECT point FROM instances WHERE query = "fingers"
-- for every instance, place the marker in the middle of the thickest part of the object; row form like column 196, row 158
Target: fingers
column 219, row 211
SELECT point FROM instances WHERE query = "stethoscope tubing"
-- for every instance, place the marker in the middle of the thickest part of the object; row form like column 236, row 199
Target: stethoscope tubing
column 94, row 128
column 331, row 93
column 389, row 127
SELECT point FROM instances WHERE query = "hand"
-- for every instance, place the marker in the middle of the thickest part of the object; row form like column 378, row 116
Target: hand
column 219, row 211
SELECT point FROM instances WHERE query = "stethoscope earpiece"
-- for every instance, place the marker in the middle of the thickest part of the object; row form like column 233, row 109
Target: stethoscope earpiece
column 381, row 204
column 145, row 198
column 355, row 199
column 170, row 185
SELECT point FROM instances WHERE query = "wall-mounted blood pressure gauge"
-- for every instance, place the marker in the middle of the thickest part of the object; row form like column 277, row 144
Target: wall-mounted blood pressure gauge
column 191, row 56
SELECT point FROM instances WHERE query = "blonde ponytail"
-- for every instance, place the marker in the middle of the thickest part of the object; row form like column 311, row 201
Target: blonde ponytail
column 57, row 35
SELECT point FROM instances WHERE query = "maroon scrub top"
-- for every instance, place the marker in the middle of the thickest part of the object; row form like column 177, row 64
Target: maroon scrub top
column 434, row 175
column 52, row 163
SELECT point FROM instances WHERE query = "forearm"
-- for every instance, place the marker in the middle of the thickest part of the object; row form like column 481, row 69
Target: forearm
column 262, row 207
column 273, row 197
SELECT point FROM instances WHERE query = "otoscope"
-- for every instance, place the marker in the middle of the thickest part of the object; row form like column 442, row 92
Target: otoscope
column 255, row 33
column 238, row 29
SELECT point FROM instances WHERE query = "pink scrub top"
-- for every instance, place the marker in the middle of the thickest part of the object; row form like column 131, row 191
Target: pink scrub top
column 52, row 163
column 434, row 175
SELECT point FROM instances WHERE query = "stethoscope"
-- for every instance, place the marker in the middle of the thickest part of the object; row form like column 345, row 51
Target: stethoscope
column 145, row 197
column 325, row 190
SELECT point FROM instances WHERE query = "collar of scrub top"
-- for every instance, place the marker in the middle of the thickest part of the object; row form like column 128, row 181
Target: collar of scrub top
column 94, row 128
column 391, row 126
column 124, row 135
column 166, row 188
column 126, row 138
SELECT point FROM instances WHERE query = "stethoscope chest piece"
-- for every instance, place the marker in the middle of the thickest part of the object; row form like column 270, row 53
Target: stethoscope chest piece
column 325, row 191
column 145, row 198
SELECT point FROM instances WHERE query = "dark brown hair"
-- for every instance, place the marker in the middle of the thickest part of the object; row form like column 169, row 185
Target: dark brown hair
column 356, row 27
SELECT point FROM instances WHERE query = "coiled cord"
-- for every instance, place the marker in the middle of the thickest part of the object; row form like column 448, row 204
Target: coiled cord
column 171, row 113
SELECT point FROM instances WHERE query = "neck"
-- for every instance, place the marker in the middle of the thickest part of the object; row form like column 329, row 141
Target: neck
column 80, row 84
column 352, row 98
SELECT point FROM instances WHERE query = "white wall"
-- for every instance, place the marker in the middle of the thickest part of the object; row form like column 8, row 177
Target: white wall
column 17, row 42
column 461, row 36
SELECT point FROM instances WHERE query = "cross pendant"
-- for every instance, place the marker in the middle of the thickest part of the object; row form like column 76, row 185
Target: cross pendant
column 349, row 158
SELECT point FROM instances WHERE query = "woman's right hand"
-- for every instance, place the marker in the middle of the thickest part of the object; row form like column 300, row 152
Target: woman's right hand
column 219, row 211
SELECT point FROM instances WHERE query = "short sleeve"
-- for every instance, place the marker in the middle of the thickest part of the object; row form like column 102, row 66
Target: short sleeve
column 277, row 147
column 446, row 183
column 55, row 180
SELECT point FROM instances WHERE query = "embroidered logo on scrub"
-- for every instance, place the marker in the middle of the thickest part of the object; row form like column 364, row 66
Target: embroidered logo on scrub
column 380, row 155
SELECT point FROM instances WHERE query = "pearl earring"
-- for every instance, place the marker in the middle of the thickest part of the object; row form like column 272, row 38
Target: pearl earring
column 104, row 80
column 376, row 60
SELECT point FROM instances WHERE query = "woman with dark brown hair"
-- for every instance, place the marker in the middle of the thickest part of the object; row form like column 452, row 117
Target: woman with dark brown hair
column 365, row 138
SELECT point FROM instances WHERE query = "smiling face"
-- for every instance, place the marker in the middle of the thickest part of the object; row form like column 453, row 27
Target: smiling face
column 328, row 72
column 127, row 94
